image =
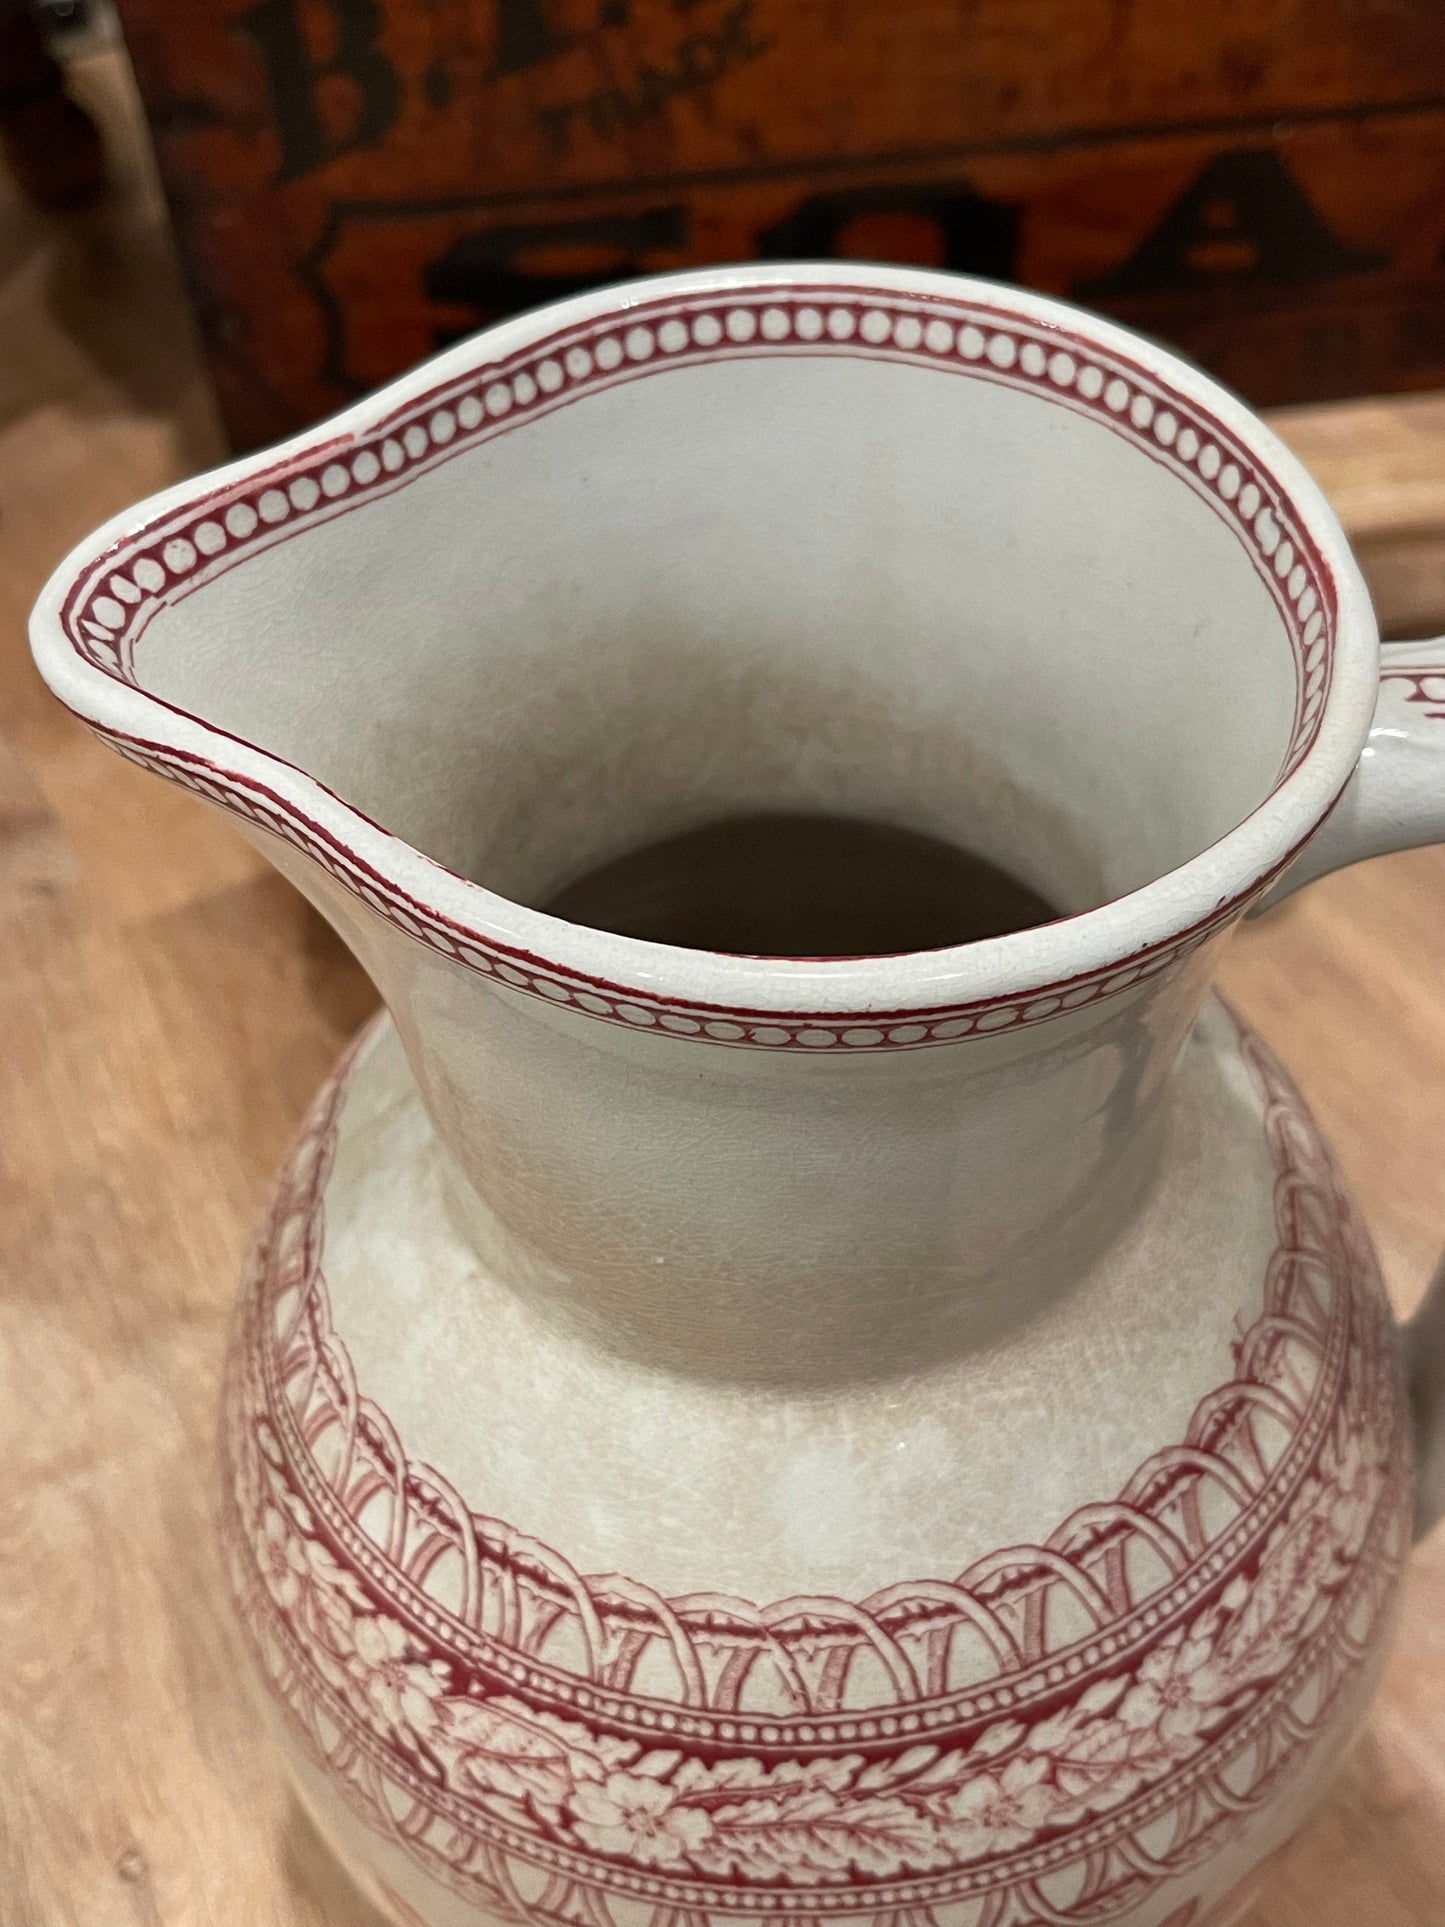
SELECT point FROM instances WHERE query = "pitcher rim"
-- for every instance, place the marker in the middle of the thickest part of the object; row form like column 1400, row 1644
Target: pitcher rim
column 97, row 600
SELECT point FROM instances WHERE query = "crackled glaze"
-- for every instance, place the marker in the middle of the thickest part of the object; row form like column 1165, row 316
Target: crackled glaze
column 478, row 1701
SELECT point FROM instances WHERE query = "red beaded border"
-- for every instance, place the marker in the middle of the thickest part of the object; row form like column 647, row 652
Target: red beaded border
column 111, row 603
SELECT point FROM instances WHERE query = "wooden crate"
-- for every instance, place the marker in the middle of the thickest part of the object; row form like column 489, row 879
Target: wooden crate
column 355, row 182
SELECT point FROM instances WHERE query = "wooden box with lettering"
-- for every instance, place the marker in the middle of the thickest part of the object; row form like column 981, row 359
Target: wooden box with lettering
column 355, row 182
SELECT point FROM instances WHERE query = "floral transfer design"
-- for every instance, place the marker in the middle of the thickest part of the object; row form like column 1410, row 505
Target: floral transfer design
column 1035, row 1787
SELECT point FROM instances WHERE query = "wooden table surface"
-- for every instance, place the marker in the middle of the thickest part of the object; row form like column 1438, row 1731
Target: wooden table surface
column 167, row 1006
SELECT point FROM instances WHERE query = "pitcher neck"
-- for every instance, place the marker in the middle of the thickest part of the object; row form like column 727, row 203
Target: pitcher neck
column 782, row 1217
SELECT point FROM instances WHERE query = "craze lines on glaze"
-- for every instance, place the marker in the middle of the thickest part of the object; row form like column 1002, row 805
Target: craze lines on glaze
column 422, row 1653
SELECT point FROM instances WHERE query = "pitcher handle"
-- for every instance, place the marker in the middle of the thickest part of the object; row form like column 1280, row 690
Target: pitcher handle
column 1396, row 801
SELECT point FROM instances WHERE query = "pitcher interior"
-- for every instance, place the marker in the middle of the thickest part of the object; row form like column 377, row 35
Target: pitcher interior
column 925, row 593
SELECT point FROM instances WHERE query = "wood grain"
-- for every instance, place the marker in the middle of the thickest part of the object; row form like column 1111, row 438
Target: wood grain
column 1260, row 182
column 167, row 1006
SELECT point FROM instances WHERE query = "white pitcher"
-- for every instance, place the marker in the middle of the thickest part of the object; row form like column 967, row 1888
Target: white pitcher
column 910, row 1439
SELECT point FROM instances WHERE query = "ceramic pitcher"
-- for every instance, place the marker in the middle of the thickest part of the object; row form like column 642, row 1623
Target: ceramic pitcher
column 901, row 1439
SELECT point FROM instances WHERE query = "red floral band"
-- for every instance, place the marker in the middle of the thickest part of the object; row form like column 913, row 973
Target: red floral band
column 111, row 604
column 1057, row 1731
